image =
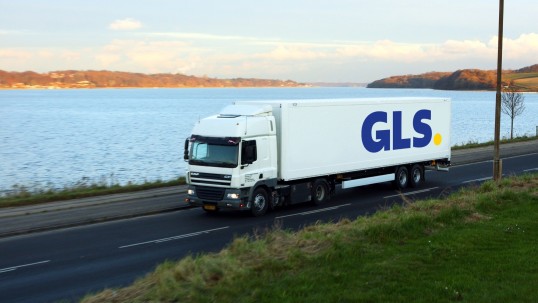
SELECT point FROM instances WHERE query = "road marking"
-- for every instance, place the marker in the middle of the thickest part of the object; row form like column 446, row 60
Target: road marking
column 314, row 211
column 472, row 163
column 530, row 169
column 519, row 156
column 4, row 270
column 411, row 192
column 175, row 237
column 477, row 180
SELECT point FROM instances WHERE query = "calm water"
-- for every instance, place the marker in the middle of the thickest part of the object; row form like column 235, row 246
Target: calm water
column 56, row 138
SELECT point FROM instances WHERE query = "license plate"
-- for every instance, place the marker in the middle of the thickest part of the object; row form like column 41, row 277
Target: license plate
column 210, row 207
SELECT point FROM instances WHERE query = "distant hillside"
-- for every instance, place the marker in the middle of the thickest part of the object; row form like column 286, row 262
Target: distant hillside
column 528, row 69
column 426, row 80
column 468, row 79
column 524, row 79
column 112, row 79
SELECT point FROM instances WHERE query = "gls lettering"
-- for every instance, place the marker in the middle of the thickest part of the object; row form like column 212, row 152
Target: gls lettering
column 382, row 140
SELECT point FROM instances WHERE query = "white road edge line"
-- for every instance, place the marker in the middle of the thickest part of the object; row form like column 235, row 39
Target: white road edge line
column 519, row 156
column 530, row 169
column 4, row 270
column 411, row 192
column 477, row 180
column 467, row 164
column 174, row 238
column 314, row 211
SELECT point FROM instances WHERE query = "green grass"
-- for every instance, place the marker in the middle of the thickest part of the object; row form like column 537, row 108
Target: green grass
column 22, row 195
column 478, row 245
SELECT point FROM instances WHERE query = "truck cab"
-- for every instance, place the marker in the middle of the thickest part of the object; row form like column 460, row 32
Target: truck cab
column 230, row 156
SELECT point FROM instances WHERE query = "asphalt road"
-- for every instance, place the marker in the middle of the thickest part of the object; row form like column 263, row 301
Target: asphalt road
column 68, row 263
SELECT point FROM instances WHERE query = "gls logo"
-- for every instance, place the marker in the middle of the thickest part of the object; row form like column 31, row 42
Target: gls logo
column 382, row 138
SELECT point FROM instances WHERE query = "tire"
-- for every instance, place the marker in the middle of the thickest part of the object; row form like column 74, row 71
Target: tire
column 260, row 202
column 320, row 192
column 416, row 175
column 401, row 179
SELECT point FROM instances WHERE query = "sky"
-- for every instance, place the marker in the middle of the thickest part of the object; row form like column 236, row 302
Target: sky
column 305, row 41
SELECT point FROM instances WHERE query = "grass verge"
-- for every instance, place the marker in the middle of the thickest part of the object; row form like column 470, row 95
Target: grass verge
column 21, row 195
column 478, row 245
column 475, row 144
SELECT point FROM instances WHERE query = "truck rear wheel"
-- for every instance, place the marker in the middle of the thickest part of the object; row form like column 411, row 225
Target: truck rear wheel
column 401, row 180
column 320, row 192
column 260, row 202
column 416, row 175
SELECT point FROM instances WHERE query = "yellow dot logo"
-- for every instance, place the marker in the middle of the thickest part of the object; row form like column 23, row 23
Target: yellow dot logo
column 437, row 139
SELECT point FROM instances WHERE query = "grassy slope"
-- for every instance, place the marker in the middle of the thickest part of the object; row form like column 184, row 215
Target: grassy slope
column 24, row 196
column 475, row 144
column 476, row 246
column 527, row 81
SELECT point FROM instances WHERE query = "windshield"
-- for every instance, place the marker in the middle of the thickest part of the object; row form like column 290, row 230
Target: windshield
column 221, row 152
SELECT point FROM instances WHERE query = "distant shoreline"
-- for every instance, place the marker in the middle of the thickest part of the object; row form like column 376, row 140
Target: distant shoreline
column 229, row 87
column 115, row 79
column 521, row 80
column 137, row 87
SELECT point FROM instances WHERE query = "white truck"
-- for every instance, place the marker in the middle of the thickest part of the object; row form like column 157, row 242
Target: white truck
column 257, row 155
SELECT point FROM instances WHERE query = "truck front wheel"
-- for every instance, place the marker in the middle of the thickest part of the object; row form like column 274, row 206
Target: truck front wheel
column 320, row 192
column 260, row 202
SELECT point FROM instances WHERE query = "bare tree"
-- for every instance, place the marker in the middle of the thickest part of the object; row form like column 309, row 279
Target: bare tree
column 513, row 105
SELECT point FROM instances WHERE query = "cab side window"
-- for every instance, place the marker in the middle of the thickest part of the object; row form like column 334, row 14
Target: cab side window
column 249, row 152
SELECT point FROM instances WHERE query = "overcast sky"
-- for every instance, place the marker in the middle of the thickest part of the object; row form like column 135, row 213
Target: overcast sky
column 306, row 41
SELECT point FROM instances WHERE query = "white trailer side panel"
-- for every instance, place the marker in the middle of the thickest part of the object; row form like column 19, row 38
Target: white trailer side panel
column 325, row 137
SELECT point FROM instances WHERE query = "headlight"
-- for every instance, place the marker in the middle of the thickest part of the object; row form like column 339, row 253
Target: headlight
column 190, row 192
column 233, row 196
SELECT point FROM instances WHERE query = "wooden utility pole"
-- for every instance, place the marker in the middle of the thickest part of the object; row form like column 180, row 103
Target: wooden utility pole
column 497, row 164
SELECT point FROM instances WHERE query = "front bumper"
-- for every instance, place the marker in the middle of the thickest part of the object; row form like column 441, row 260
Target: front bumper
column 215, row 198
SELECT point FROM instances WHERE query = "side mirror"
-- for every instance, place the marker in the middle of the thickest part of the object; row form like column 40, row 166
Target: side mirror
column 186, row 150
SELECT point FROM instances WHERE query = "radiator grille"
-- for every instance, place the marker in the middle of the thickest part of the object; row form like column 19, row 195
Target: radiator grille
column 210, row 193
column 215, row 179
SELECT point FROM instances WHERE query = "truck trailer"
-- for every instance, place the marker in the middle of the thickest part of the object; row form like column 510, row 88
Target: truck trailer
column 258, row 155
